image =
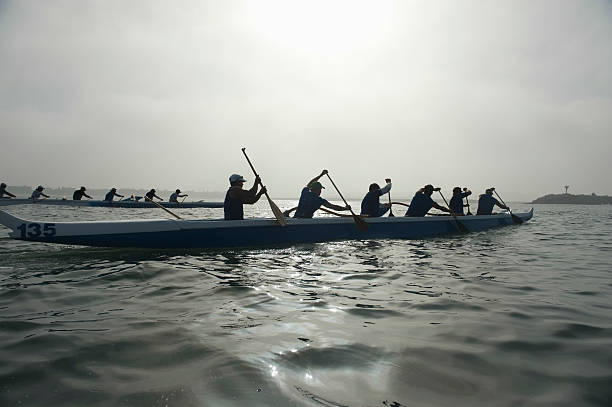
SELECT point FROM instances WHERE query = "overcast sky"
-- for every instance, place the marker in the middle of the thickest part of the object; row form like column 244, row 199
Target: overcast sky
column 511, row 94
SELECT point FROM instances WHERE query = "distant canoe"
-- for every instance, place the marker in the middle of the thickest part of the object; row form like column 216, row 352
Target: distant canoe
column 114, row 204
column 172, row 233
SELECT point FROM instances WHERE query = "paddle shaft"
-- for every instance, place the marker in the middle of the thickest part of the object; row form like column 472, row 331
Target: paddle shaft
column 254, row 172
column 288, row 211
column 408, row 206
column 342, row 215
column 361, row 224
column 467, row 201
column 340, row 193
column 460, row 225
column 390, row 207
column 161, row 207
column 499, row 197
column 275, row 210
column 401, row 203
column 515, row 218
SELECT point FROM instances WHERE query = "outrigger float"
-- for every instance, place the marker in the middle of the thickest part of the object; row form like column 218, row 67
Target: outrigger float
column 183, row 233
column 114, row 204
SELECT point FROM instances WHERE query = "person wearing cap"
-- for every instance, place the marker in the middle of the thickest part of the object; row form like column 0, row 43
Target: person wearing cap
column 37, row 193
column 486, row 202
column 310, row 199
column 421, row 202
column 236, row 197
column 150, row 195
column 176, row 195
column 456, row 203
column 111, row 194
column 80, row 193
column 370, row 205
column 3, row 192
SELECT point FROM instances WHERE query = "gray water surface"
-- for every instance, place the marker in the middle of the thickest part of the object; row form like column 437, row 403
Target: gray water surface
column 517, row 316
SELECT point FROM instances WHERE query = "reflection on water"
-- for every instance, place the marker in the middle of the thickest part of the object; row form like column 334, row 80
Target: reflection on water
column 514, row 316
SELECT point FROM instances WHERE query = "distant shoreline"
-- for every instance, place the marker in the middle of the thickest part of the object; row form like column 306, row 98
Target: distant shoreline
column 574, row 199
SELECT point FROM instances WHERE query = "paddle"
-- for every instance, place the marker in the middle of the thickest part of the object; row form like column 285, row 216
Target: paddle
column 515, row 218
column 460, row 225
column 288, row 211
column 280, row 218
column 401, row 203
column 361, row 224
column 342, row 215
column 161, row 207
column 467, row 201
column 391, row 215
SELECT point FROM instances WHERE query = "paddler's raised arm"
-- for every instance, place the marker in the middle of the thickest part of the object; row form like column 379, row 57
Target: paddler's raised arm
column 315, row 179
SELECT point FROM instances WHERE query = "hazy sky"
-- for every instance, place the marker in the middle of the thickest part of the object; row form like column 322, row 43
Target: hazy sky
column 511, row 94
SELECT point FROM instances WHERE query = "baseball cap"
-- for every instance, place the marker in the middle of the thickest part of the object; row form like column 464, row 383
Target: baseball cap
column 235, row 178
column 316, row 185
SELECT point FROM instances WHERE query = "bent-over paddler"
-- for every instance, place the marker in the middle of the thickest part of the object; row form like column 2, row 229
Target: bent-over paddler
column 310, row 199
column 421, row 202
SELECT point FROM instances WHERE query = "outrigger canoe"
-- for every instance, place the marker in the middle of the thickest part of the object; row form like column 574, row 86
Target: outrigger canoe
column 114, row 204
column 183, row 233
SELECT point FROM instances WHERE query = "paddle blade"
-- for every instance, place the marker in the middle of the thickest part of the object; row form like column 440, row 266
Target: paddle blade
column 278, row 214
column 360, row 223
column 461, row 226
column 391, row 215
column 516, row 219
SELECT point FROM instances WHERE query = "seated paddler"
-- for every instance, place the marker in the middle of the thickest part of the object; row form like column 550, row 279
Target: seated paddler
column 486, row 202
column 370, row 205
column 149, row 196
column 236, row 197
column 310, row 199
column 111, row 195
column 3, row 192
column 79, row 194
column 176, row 195
column 38, row 194
column 421, row 202
column 456, row 203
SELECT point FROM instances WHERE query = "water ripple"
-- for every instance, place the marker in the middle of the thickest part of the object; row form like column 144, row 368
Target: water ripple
column 513, row 316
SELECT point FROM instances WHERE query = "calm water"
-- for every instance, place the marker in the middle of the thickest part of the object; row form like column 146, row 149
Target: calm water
column 519, row 316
